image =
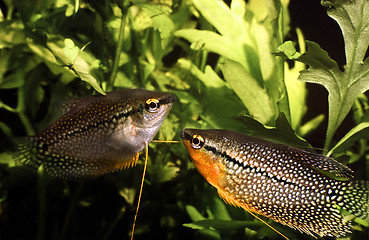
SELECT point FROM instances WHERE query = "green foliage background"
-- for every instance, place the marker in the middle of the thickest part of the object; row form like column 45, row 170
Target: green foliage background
column 226, row 63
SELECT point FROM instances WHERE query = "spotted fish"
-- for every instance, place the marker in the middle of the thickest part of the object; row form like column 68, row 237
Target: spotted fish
column 285, row 184
column 97, row 134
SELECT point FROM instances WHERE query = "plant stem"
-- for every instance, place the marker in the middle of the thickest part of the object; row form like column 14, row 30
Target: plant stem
column 115, row 222
column 137, row 49
column 283, row 105
column 41, row 189
column 204, row 58
column 21, row 112
column 70, row 209
column 119, row 49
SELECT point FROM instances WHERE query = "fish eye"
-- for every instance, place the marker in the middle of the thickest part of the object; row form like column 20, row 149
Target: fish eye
column 197, row 141
column 152, row 105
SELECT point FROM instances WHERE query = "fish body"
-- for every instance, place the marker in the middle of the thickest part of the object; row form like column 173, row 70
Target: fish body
column 283, row 183
column 97, row 134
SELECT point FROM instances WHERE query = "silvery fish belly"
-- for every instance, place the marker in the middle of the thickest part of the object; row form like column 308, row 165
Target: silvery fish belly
column 97, row 134
column 302, row 190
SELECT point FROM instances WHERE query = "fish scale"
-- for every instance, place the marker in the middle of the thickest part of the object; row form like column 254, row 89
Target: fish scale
column 288, row 185
column 97, row 134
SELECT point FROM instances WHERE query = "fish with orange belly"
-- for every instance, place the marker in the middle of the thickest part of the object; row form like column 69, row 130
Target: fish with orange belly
column 303, row 190
column 97, row 134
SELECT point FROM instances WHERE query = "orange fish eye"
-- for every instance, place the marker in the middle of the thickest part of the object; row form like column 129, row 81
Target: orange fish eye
column 197, row 141
column 152, row 105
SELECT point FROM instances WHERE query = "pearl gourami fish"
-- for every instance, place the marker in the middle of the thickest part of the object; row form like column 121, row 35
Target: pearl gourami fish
column 283, row 183
column 97, row 134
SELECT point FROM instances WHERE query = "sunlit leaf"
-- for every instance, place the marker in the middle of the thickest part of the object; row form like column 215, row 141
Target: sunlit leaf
column 70, row 50
column 253, row 96
column 296, row 89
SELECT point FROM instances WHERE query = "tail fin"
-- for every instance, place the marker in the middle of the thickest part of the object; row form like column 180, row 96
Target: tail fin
column 25, row 152
column 355, row 199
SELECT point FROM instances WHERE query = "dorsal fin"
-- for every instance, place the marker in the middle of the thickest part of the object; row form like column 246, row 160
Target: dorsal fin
column 76, row 104
column 326, row 165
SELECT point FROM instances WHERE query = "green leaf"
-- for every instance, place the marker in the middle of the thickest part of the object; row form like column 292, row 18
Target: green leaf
column 343, row 87
column 194, row 214
column 248, row 40
column 5, row 158
column 163, row 172
column 289, row 50
column 221, row 225
column 358, row 132
column 218, row 14
column 223, row 104
column 5, row 128
column 253, row 96
column 213, row 42
column 70, row 50
column 219, row 209
column 44, row 53
column 75, row 61
column 160, row 21
column 296, row 90
column 311, row 125
column 233, row 42
column 353, row 19
column 282, row 133
column 11, row 33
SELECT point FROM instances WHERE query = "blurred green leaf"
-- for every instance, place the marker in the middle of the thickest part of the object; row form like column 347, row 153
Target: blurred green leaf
column 232, row 40
column 4, row 127
column 6, row 159
column 11, row 33
column 223, row 105
column 42, row 52
column 194, row 214
column 197, row 217
column 311, row 125
column 220, row 210
column 213, row 42
column 163, row 172
column 222, row 225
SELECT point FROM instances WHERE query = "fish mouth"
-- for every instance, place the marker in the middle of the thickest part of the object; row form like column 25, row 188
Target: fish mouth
column 168, row 100
column 184, row 135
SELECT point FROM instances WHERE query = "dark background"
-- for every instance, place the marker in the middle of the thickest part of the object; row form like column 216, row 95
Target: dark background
column 316, row 25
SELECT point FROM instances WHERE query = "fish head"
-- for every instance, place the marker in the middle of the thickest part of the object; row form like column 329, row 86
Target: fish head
column 202, row 146
column 154, row 107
